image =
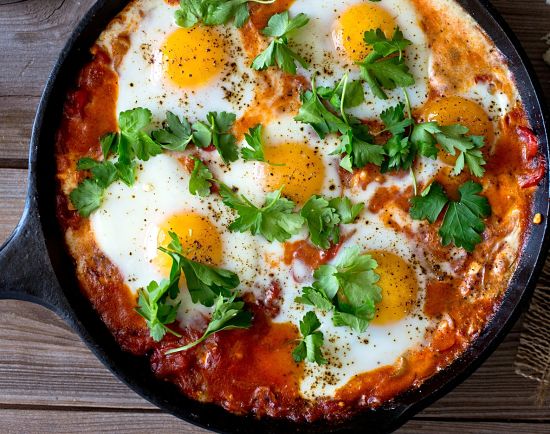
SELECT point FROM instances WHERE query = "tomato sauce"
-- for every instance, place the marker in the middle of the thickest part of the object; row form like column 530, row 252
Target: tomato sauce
column 252, row 371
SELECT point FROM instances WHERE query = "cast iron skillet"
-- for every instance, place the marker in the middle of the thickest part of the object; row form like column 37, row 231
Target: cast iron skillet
column 35, row 266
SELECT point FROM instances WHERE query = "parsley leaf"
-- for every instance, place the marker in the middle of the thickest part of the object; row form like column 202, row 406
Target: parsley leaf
column 323, row 218
column 279, row 27
column 316, row 114
column 157, row 311
column 204, row 282
column 463, row 219
column 354, row 96
column 394, row 119
column 453, row 139
column 380, row 69
column 199, row 183
column 217, row 131
column 346, row 210
column 130, row 143
column 349, row 287
column 312, row 340
column 276, row 220
column 214, row 12
column 322, row 221
column 228, row 315
column 384, row 46
column 132, row 124
column 356, row 143
column 429, row 204
column 463, row 222
column 176, row 135
column 87, row 197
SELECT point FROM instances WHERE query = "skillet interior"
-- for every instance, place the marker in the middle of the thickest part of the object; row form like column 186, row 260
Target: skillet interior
column 41, row 238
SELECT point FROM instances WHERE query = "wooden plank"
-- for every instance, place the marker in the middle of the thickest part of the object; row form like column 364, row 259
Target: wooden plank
column 28, row 56
column 42, row 363
column 32, row 420
column 13, row 186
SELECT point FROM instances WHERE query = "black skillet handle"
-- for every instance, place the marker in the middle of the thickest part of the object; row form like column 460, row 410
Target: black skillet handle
column 26, row 272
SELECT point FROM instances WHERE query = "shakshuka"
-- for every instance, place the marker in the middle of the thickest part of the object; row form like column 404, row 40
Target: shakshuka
column 295, row 209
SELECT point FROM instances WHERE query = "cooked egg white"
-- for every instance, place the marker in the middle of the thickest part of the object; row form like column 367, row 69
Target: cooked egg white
column 296, row 159
column 333, row 41
column 189, row 71
column 398, row 326
column 134, row 221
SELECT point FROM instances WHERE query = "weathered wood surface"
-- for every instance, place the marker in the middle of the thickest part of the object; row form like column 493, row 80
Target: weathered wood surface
column 50, row 382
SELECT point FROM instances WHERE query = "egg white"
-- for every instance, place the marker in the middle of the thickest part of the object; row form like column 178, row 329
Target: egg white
column 247, row 176
column 315, row 43
column 144, row 83
column 126, row 226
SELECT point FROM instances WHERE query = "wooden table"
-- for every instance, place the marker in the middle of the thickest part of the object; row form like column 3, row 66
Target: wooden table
column 50, row 382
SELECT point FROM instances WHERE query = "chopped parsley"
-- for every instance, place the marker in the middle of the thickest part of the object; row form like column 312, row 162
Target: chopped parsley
column 204, row 282
column 280, row 27
column 309, row 347
column 228, row 314
column 176, row 135
column 385, row 67
column 216, row 130
column 207, row 285
column 323, row 218
column 214, row 12
column 347, row 288
column 130, row 143
column 463, row 220
column 356, row 143
column 201, row 178
column 275, row 220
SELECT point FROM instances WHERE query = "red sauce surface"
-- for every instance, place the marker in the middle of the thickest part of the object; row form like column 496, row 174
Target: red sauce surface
column 252, row 371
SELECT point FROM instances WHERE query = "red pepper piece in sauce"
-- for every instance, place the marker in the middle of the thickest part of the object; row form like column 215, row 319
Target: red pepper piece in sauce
column 536, row 166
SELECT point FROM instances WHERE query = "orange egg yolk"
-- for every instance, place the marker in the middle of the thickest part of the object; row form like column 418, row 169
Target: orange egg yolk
column 199, row 238
column 350, row 27
column 296, row 166
column 192, row 57
column 457, row 110
column 399, row 287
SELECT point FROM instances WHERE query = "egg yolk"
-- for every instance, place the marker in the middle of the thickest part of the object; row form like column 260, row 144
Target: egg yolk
column 198, row 236
column 354, row 22
column 399, row 287
column 457, row 110
column 296, row 166
column 192, row 57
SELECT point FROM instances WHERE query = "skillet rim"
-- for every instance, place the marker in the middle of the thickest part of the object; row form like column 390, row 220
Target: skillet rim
column 489, row 339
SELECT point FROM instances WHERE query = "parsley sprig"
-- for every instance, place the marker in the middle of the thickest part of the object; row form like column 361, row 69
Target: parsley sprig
column 280, row 27
column 462, row 221
column 216, row 130
column 204, row 282
column 385, row 67
column 275, row 220
column 214, row 12
column 254, row 151
column 207, row 285
column 323, row 218
column 228, row 314
column 309, row 347
column 129, row 144
column 347, row 288
column 201, row 179
column 356, row 143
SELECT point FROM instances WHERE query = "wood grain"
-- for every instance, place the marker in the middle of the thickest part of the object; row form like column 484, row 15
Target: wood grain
column 130, row 422
column 50, row 382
